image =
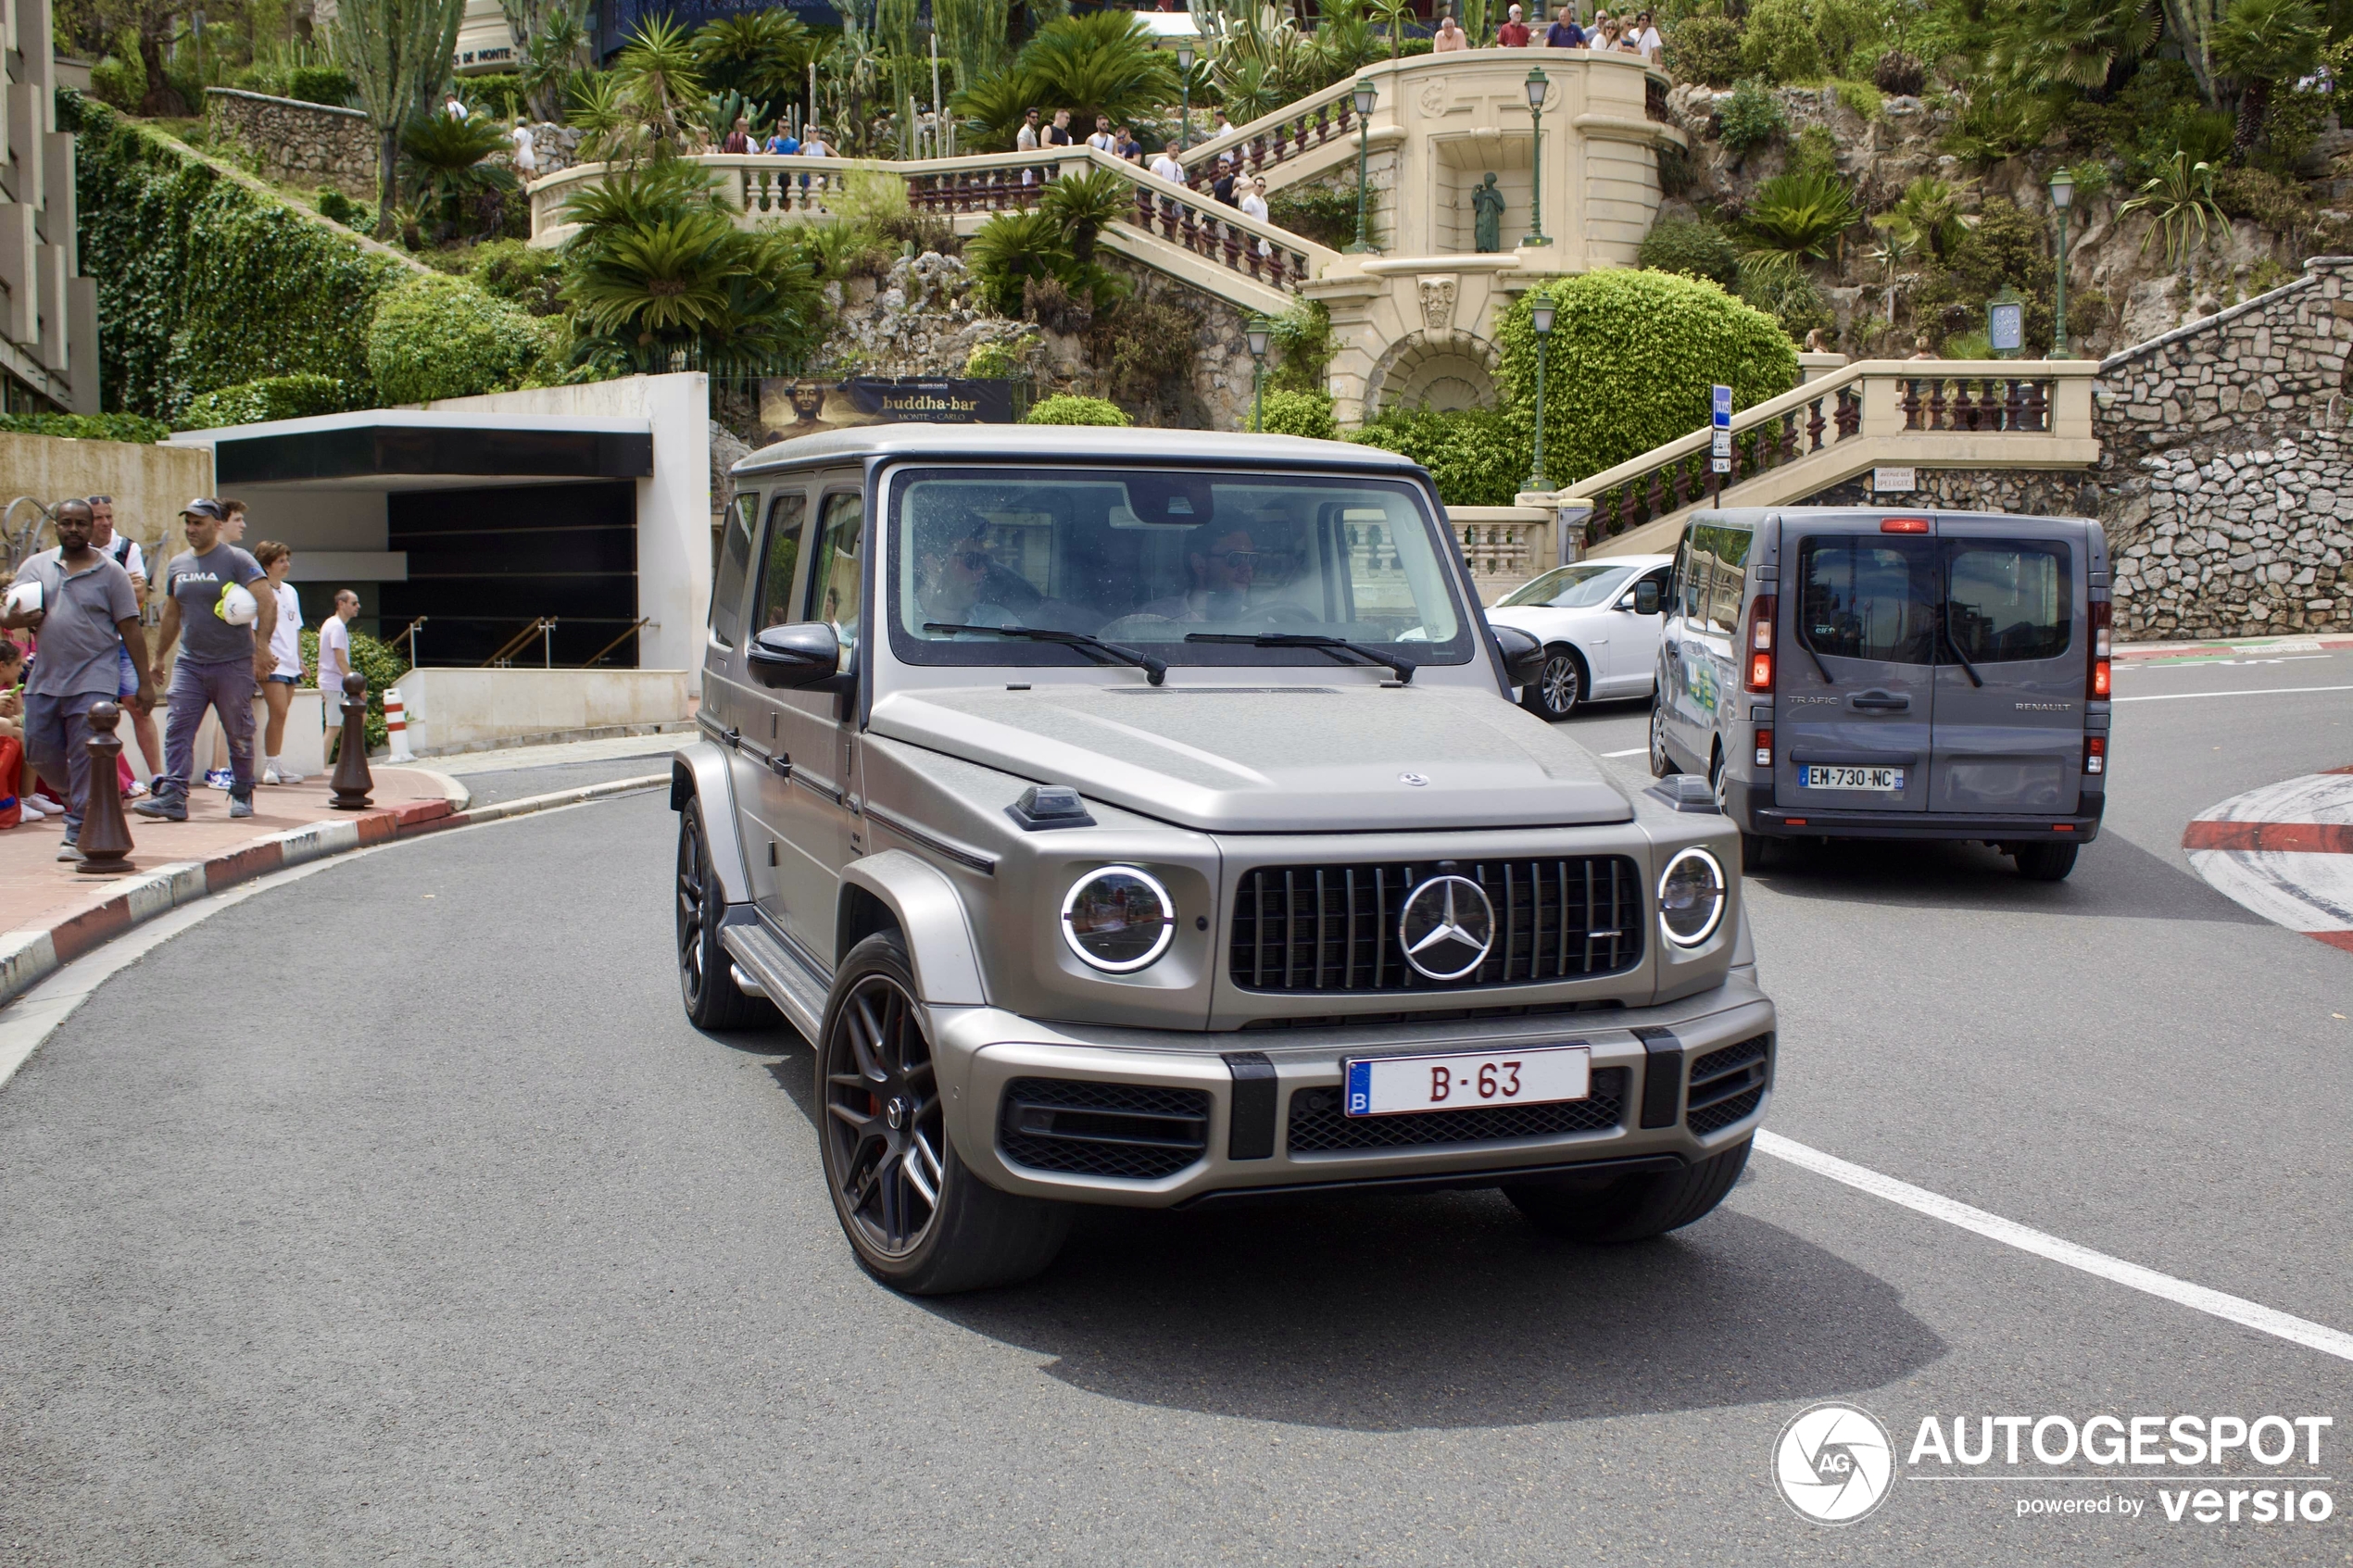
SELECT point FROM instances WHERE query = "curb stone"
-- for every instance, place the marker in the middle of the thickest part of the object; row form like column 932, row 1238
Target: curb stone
column 28, row 956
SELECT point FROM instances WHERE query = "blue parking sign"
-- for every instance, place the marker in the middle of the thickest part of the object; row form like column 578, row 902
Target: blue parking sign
column 1723, row 408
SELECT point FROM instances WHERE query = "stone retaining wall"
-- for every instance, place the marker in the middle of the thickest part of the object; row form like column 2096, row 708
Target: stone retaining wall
column 2238, row 543
column 294, row 143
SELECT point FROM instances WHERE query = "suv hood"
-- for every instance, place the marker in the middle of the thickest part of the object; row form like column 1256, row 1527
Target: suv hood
column 1272, row 759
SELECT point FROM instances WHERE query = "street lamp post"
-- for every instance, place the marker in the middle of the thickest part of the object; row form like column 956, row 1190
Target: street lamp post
column 1538, row 84
column 1540, row 315
column 1257, row 335
column 1184, row 75
column 1365, row 95
column 2062, row 195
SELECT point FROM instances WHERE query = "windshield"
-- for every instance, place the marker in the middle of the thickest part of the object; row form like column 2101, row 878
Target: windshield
column 1568, row 587
column 1146, row 558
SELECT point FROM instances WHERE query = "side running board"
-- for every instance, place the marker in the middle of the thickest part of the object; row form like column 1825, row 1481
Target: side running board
column 789, row 981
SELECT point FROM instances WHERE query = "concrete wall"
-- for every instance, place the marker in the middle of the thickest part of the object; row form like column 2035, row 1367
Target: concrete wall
column 674, row 504
column 466, row 710
column 297, row 144
column 149, row 483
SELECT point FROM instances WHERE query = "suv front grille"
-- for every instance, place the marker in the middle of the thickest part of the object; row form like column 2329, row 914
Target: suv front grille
column 1333, row 928
column 1317, row 1125
column 1727, row 1085
column 1134, row 1131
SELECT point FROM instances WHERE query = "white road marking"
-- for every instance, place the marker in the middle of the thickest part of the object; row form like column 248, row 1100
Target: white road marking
column 2215, row 1303
column 1636, row 752
column 2259, row 691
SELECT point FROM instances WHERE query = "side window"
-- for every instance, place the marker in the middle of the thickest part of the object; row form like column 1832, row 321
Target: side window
column 735, row 570
column 1729, row 547
column 1685, row 600
column 787, row 514
column 833, row 572
column 2009, row 599
column 1865, row 596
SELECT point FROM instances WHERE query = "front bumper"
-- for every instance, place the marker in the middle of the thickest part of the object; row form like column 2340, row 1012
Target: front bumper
column 1767, row 820
column 1259, row 1092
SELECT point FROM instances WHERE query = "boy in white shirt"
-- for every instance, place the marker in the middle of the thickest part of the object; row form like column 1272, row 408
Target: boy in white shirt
column 334, row 663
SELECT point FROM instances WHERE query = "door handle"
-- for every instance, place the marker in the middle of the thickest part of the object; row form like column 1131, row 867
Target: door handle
column 1880, row 702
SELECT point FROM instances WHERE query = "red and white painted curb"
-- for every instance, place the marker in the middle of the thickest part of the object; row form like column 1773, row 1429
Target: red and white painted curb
column 28, row 956
column 2285, row 851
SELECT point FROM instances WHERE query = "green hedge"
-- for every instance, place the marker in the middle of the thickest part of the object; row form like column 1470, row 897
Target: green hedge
column 1480, row 456
column 438, row 336
column 1633, row 355
column 1299, row 413
column 89, row 427
column 272, row 397
column 1063, row 408
column 204, row 282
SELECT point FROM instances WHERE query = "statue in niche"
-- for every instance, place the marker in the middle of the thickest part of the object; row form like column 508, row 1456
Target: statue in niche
column 1487, row 217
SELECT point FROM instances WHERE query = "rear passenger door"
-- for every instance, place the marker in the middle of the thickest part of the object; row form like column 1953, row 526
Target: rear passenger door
column 1856, row 678
column 1712, row 652
column 764, row 753
column 2009, row 722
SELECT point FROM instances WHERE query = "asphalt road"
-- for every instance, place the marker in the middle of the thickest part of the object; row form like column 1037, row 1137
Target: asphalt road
column 506, row 1264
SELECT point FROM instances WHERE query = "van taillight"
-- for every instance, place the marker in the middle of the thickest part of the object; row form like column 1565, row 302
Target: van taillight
column 2096, row 754
column 2097, row 685
column 1903, row 525
column 1764, row 748
column 1761, row 644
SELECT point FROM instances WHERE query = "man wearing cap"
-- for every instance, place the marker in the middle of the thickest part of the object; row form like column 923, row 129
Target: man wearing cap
column 208, row 595
column 88, row 619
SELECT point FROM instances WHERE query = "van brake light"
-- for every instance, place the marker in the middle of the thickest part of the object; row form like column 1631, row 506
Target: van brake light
column 2098, row 684
column 1903, row 525
column 1760, row 643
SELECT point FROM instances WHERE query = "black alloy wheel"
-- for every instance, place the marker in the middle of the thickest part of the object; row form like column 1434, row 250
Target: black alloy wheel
column 918, row 1217
column 1558, row 686
column 706, row 975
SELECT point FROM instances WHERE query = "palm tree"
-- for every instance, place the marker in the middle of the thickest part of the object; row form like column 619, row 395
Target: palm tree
column 759, row 54
column 1800, row 216
column 1104, row 63
column 664, row 281
column 2263, row 42
column 550, row 58
column 1394, row 17
column 2088, row 45
column 448, row 155
column 1084, row 203
column 1012, row 248
column 661, row 78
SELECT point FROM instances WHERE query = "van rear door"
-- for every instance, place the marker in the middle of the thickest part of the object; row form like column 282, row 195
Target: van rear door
column 2009, row 681
column 1856, row 670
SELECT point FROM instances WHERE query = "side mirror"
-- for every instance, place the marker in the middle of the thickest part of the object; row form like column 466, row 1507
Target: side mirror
column 803, row 654
column 1523, row 655
column 1645, row 599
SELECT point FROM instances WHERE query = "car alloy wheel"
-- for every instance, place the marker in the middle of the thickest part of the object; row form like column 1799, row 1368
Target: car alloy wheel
column 1662, row 762
column 885, row 1141
column 1555, row 691
column 694, row 909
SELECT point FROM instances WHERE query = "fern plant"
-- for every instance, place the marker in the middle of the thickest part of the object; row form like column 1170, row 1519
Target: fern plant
column 1800, row 215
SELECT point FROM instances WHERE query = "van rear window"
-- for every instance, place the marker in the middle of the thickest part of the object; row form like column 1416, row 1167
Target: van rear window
column 1870, row 596
column 2010, row 600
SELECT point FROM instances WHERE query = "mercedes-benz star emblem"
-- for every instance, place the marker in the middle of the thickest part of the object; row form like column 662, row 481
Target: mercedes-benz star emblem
column 1446, row 927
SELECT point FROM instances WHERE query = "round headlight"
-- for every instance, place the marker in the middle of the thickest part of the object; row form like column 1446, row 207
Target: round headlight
column 1690, row 898
column 1119, row 918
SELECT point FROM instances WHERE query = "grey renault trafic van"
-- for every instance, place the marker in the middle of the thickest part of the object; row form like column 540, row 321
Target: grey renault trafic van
column 1848, row 673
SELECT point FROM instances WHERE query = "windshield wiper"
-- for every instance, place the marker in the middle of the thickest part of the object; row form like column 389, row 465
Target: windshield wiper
column 1155, row 669
column 1309, row 640
column 1944, row 624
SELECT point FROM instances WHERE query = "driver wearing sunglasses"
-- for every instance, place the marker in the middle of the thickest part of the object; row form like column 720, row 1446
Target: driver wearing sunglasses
column 952, row 575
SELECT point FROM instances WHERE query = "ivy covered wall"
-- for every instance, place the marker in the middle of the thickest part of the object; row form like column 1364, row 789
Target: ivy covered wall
column 205, row 282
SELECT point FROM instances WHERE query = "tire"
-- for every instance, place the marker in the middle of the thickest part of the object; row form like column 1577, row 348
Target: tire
column 706, row 975
column 1662, row 760
column 2045, row 862
column 1756, row 853
column 1605, row 1210
column 1558, row 687
column 917, row 1217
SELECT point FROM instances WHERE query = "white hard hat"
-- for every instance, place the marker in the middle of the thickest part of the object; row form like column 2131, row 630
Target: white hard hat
column 24, row 598
column 238, row 607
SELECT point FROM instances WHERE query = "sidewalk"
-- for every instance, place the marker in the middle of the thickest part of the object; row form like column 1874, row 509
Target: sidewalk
column 2232, row 647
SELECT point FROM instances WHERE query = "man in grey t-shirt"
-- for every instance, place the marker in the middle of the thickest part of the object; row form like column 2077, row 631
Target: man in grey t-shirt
column 208, row 598
column 88, row 622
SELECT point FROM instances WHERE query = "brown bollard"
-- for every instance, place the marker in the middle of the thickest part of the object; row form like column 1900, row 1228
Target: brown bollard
column 106, row 838
column 352, row 781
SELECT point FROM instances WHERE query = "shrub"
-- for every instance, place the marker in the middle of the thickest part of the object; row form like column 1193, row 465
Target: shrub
column 1751, row 117
column 132, row 428
column 1814, row 152
column 1317, row 212
column 1633, row 357
column 997, row 361
column 1299, row 413
column 1900, row 74
column 1781, row 43
column 1705, row 50
column 515, row 272
column 445, row 337
column 120, row 81
column 1065, row 408
column 1302, row 340
column 273, row 397
column 1866, row 100
column 1801, row 214
column 330, row 86
column 1695, row 249
column 1479, row 456
column 2266, row 197
column 336, row 207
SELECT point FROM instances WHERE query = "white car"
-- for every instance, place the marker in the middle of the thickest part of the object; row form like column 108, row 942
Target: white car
column 1596, row 644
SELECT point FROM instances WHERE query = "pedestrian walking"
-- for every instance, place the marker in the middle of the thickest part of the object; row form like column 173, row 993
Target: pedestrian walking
column 526, row 149
column 334, row 663
column 1103, row 140
column 285, row 653
column 218, row 775
column 124, row 552
column 1253, row 205
column 1449, row 38
column 1165, row 163
column 208, row 596
column 85, row 611
column 1026, row 138
column 1513, row 35
column 1222, row 188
